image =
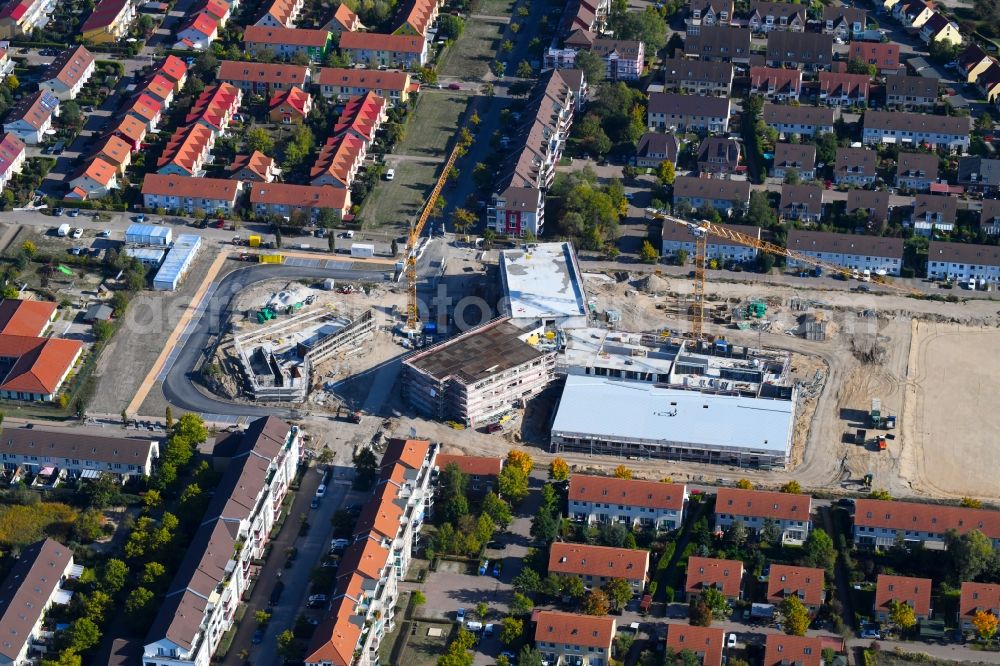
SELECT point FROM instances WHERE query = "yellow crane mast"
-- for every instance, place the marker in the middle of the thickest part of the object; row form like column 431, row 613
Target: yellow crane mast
column 703, row 229
column 412, row 315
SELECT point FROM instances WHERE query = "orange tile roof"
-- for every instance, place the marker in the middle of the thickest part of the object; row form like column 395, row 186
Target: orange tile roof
column 366, row 557
column 905, row 589
column 362, row 115
column 807, row 580
column 146, row 107
column 782, row 649
column 471, row 465
column 574, row 629
column 260, row 72
column 703, row 572
column 345, row 17
column 132, row 128
column 35, row 109
column 258, row 34
column 336, row 637
column 419, row 15
column 763, row 504
column 25, row 318
column 257, row 162
column 115, row 150
column 216, row 189
column 371, row 79
column 704, row 641
column 380, row 515
column 409, row 452
column 288, row 194
column 39, row 369
column 173, row 68
column 160, row 87
column 215, row 105
column 186, row 147
column 70, row 66
column 932, row 518
column 204, row 23
column 603, row 561
column 100, row 171
column 372, row 41
column 630, row 492
column 282, row 11
column 295, row 98
column 979, row 596
column 104, row 15
column 337, row 158
column 215, row 8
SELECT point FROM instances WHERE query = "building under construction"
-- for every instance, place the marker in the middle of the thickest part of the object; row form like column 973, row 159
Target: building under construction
column 277, row 361
column 476, row 377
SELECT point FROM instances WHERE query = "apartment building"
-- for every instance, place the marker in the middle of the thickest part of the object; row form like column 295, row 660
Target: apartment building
column 807, row 584
column 963, row 261
column 769, row 16
column 18, row 18
column 885, row 56
column 624, row 59
column 262, row 77
column 933, row 212
column 879, row 523
column 726, row 576
column 799, row 158
column 951, row 132
column 708, row 13
column 362, row 611
column 286, row 199
column 68, row 73
column 688, row 113
column 776, row 84
column 569, row 638
column 916, row 171
column 343, row 83
column 720, row 43
column 911, row 92
column 977, row 597
column 31, row 117
column 33, row 586
column 912, row 592
column 656, row 147
column 287, row 43
column 187, row 151
column 77, row 455
column 698, row 77
column 675, row 238
column 201, row 601
column 481, row 471
column 705, row 642
column 806, row 50
column 803, row 203
column 719, row 155
column 596, row 565
column 726, row 196
column 801, row 120
column 215, row 107
column 855, row 166
column 790, row 512
column 972, row 61
column 634, row 502
column 476, row 376
column 378, row 50
column 840, row 89
column 852, row 251
column 181, row 193
column 109, row 22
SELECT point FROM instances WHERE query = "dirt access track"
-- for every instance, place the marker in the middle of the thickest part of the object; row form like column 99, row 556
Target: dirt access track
column 950, row 421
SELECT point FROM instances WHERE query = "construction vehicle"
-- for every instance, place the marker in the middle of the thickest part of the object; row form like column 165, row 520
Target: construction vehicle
column 875, row 415
column 868, row 480
column 860, row 437
column 254, row 240
column 271, row 259
column 265, row 314
column 349, row 415
column 412, row 326
column 880, row 442
column 703, row 229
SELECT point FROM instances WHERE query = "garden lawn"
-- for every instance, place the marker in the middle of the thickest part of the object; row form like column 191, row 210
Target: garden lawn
column 471, row 54
column 21, row 524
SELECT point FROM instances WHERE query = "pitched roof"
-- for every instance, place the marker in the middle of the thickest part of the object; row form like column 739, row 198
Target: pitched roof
column 629, row 48
column 146, row 107
column 586, row 560
column 336, row 637
column 362, row 115
column 204, row 23
column 186, row 146
column 712, row 188
column 971, row 56
column 371, row 79
column 716, row 40
column 979, row 596
column 659, row 143
column 917, row 122
column 855, row 162
column 873, row 202
column 418, row 15
column 884, row 54
column 677, row 232
column 173, row 68
column 345, row 17
column 381, row 515
column 114, row 150
column 216, row 189
column 935, row 204
column 217, row 9
column 16, row 9
column 338, row 157
column 795, row 155
column 802, row 240
column 272, row 73
column 917, row 165
column 704, row 572
column 933, row 518
column 41, row 367
column 25, row 318
column 132, row 128
column 803, row 582
column 706, row 641
column 258, row 34
column 720, row 149
column 911, row 86
column 11, row 148
column 809, row 48
column 35, row 109
column 215, row 105
column 372, row 41
column 100, row 171
column 574, row 629
column 295, row 98
column 986, row 171
column 763, row 503
column 367, row 557
column 628, row 492
column 471, row 465
column 783, row 114
column 837, row 84
column 287, row 194
column 257, row 162
column 160, row 87
column 976, row 255
column 689, row 105
column 25, row 591
column 778, row 9
column 681, row 69
column 104, row 14
column 783, row 649
column 65, row 443
column 69, row 67
column 777, row 79
column 801, row 197
column 915, row 592
column 282, row 11
column 410, row 453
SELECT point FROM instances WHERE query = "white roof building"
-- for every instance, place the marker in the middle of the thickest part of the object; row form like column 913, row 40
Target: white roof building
column 542, row 283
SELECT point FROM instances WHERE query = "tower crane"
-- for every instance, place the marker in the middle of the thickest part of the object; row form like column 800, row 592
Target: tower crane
column 703, row 229
column 410, row 268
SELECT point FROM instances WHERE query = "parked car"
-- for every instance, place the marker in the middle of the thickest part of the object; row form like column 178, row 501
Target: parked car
column 731, row 641
column 497, row 567
column 258, row 637
column 58, row 212
column 454, row 86
column 484, row 566
column 317, row 600
column 140, row 218
column 77, row 233
column 74, row 212
column 460, row 616
column 390, row 174
column 315, row 500
column 321, row 491
column 105, row 234
column 488, row 630
column 339, row 544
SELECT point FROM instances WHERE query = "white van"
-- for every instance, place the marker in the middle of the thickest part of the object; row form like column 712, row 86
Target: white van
column 63, row 230
column 474, row 627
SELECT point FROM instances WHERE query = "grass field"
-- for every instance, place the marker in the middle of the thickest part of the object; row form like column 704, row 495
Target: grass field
column 424, row 650
column 495, row 8
column 21, row 524
column 398, row 201
column 470, row 56
column 432, row 124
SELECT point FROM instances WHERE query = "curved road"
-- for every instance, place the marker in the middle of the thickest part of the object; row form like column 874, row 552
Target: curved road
column 178, row 387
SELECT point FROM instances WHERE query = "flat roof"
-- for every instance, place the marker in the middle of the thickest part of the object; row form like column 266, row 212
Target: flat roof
column 476, row 354
column 178, row 258
column 590, row 347
column 543, row 280
column 614, row 409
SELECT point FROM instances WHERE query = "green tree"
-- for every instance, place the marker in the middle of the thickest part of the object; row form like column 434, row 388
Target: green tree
column 511, row 630
column 970, row 554
column 902, row 615
column 859, row 66
column 88, row 526
column 593, row 67
column 366, row 468
column 699, row 614
column 418, row 598
column 513, row 484
column 527, row 581
column 647, row 26
column 529, row 656
column 619, row 592
column 103, row 330
column 648, row 253
column 450, row 26
column 558, row 470
column 717, row 603
column 286, row 645
column 744, row 484
column 792, row 487
column 153, row 573
column 592, row 136
column 521, row 605
column 596, row 603
column 545, row 526
column 96, row 604
column 259, row 139
column 497, row 509
column 524, row 70
column 67, row 657
column 795, row 616
column 665, row 172
column 114, row 576
column 82, row 635
column 462, row 220
column 818, row 550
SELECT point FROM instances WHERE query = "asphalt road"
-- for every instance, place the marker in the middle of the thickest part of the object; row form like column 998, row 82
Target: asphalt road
column 178, row 387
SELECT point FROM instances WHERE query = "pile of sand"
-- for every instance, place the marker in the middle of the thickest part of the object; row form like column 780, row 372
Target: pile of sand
column 652, row 284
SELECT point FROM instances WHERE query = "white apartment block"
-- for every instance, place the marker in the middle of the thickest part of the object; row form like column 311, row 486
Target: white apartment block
column 753, row 508
column 963, row 261
column 676, row 238
column 852, row 251
column 879, row 523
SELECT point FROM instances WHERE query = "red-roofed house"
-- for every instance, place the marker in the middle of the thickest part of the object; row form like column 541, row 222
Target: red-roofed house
column 607, row 499
column 806, row 583
column 789, row 511
column 95, row 181
column 131, row 129
column 785, row 650
column 263, row 77
column 561, row 637
column 12, row 152
column 482, row 471
column 281, row 14
column 290, row 107
column 109, row 21
column 287, row 43
column 595, row 565
column 877, row 523
column 338, row 161
column 884, row 56
column 775, row 83
column 217, row 9
column 255, row 167
column 420, row 15
column 20, row 17
column 705, row 642
column 374, row 49
column 148, row 110
column 362, row 117
column 174, row 69
column 115, row 151
column 914, row 592
column 160, row 88
column 68, row 73
column 344, row 20
column 182, row 193
column 215, row 107
column 32, row 367
column 343, row 82
column 186, row 151
column 843, row 89
column 724, row 575
column 31, row 117
column 284, row 199
column 28, row 319
column 199, row 33
column 977, row 597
